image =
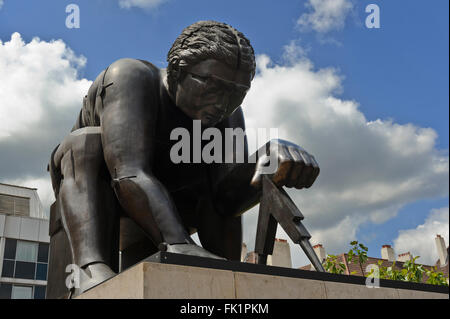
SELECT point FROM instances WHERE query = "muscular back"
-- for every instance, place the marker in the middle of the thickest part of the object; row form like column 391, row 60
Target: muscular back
column 118, row 72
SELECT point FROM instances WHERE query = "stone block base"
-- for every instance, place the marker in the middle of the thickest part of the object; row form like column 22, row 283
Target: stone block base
column 162, row 276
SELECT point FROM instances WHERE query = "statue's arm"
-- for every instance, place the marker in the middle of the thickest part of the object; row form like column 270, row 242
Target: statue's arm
column 237, row 186
column 232, row 192
column 128, row 124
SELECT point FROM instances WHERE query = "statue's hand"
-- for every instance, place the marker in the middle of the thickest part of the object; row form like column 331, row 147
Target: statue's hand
column 296, row 167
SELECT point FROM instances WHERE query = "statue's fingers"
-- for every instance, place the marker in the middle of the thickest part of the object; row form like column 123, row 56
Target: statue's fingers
column 306, row 171
column 259, row 171
column 315, row 173
column 284, row 167
column 296, row 168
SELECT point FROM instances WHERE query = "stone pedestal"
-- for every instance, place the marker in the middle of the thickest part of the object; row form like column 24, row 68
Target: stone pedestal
column 172, row 276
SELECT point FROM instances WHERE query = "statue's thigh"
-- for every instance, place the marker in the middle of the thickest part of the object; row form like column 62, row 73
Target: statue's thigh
column 81, row 154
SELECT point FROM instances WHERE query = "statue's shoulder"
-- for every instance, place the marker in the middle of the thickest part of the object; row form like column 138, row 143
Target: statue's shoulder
column 128, row 69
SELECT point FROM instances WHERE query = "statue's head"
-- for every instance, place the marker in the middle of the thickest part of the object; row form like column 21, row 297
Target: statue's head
column 210, row 69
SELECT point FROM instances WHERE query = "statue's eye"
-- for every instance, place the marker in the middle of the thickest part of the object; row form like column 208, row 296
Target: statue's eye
column 198, row 78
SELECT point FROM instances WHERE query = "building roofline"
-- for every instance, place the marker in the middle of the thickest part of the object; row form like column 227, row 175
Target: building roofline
column 399, row 263
column 30, row 188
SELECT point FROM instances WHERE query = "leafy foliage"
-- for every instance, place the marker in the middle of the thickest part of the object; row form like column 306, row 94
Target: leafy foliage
column 436, row 278
column 388, row 272
column 357, row 254
column 411, row 271
column 332, row 265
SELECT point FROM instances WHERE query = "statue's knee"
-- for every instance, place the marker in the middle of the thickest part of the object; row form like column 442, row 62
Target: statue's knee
column 86, row 143
column 131, row 188
column 80, row 155
column 125, row 184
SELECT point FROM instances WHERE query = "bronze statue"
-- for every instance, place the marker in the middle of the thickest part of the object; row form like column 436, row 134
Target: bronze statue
column 122, row 135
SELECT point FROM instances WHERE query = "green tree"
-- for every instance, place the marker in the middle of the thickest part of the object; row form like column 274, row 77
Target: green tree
column 357, row 255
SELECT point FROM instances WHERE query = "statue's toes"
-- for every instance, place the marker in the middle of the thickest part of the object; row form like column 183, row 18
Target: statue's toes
column 92, row 276
column 191, row 249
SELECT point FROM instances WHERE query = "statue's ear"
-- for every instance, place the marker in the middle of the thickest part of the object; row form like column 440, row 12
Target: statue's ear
column 176, row 72
column 182, row 63
column 178, row 69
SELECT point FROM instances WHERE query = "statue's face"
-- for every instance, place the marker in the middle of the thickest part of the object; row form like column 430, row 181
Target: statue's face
column 211, row 91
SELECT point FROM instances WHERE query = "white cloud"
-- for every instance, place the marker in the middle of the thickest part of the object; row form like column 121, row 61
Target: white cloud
column 145, row 4
column 325, row 15
column 420, row 241
column 37, row 78
column 41, row 95
column 294, row 52
column 369, row 169
column 1, row 3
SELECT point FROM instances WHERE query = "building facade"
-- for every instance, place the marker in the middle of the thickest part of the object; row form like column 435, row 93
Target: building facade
column 24, row 243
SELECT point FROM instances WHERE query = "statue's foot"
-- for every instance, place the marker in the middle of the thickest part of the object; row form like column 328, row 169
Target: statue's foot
column 91, row 276
column 188, row 249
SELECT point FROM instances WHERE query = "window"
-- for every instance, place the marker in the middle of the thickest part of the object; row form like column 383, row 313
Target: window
column 10, row 249
column 6, row 204
column 14, row 205
column 25, row 270
column 5, row 291
column 8, row 268
column 10, row 291
column 25, row 260
column 26, row 251
column 43, row 253
column 39, row 292
column 22, row 292
column 41, row 271
column 22, row 206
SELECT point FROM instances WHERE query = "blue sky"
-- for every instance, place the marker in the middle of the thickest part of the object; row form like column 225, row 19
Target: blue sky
column 398, row 72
